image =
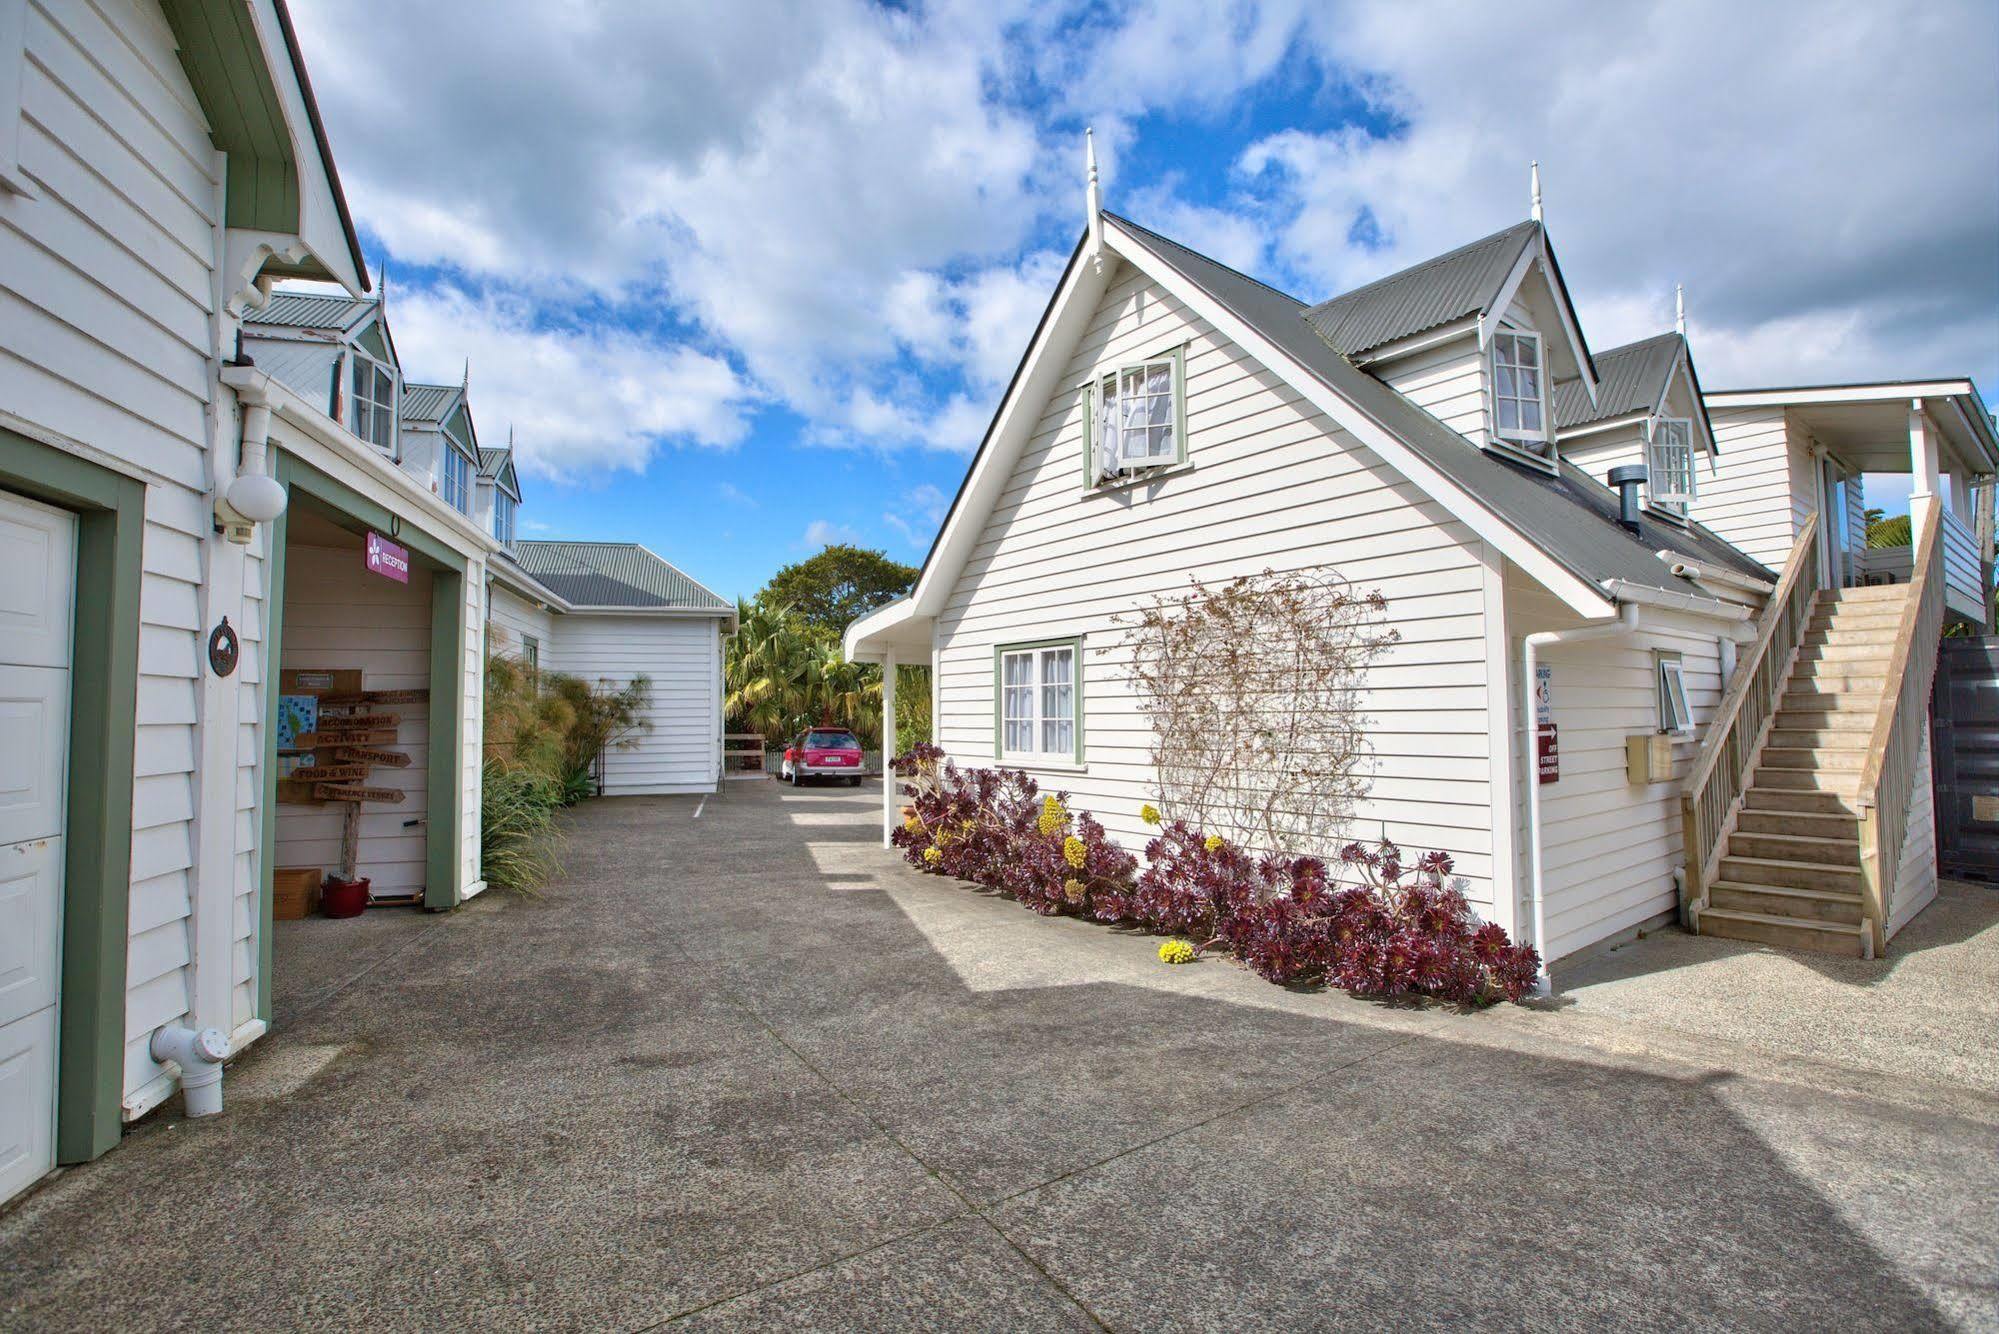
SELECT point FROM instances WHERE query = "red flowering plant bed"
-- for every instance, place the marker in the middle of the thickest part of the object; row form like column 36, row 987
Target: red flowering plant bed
column 1373, row 925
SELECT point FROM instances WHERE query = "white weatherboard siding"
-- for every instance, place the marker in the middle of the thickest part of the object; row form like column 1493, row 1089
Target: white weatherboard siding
column 510, row 616
column 1916, row 874
column 1608, row 846
column 1447, row 381
column 1270, row 483
column 107, row 327
column 1761, row 493
column 337, row 616
column 681, row 656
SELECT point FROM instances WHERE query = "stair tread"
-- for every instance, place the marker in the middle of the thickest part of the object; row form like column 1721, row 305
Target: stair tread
column 1767, row 919
column 1799, row 838
column 1788, row 864
column 1783, row 891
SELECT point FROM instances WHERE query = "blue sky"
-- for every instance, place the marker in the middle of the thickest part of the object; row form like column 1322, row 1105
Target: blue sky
column 747, row 279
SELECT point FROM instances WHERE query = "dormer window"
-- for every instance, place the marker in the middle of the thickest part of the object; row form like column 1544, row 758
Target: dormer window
column 1518, row 409
column 1669, row 459
column 374, row 412
column 503, row 519
column 456, row 486
column 1136, row 419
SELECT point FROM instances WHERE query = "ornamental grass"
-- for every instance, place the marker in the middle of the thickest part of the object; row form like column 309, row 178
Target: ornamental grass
column 1370, row 921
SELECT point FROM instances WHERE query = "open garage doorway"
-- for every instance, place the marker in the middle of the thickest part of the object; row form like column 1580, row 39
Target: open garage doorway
column 365, row 801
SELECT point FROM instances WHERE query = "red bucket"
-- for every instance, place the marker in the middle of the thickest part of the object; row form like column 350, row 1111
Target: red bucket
column 344, row 898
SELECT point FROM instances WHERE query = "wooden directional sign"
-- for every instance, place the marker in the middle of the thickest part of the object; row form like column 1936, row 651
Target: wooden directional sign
column 395, row 759
column 314, row 740
column 331, row 773
column 347, row 792
column 360, row 722
column 375, row 697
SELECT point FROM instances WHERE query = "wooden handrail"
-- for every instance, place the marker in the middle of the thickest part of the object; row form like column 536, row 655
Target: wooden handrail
column 1888, row 775
column 1804, row 554
column 1719, row 779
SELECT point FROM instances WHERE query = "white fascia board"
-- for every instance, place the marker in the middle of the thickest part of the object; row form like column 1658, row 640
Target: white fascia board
column 524, row 585
column 319, row 224
column 1585, row 598
column 1836, row 393
column 1037, row 378
column 1623, row 590
column 893, row 626
column 1421, row 342
column 1531, row 256
column 1594, row 428
column 331, row 448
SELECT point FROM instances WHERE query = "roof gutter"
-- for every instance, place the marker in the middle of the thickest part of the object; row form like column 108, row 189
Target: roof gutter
column 1686, row 567
column 1624, row 593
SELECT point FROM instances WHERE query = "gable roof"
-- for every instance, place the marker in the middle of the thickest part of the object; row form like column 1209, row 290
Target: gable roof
column 622, row 575
column 497, row 466
column 1632, row 378
column 311, row 310
column 1459, row 284
column 427, row 404
column 1561, row 528
column 1571, row 516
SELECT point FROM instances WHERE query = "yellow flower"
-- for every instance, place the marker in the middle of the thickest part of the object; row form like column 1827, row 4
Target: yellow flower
column 931, row 856
column 1176, row 951
column 1075, row 851
column 1053, row 817
column 913, row 825
column 1074, row 890
column 1214, row 843
column 1149, row 813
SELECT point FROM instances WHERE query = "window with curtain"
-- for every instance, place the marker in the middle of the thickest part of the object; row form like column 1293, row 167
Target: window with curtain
column 1134, row 421
column 503, row 518
column 1669, row 465
column 456, row 484
column 1037, row 703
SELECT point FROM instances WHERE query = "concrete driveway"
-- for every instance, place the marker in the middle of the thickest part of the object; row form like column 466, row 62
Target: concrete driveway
column 743, row 1069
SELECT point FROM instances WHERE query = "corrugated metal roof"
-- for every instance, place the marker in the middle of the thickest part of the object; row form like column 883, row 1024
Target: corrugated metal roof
column 307, row 366
column 427, row 403
column 1570, row 515
column 492, row 460
column 1630, row 379
column 305, row 310
column 613, row 574
column 1425, row 296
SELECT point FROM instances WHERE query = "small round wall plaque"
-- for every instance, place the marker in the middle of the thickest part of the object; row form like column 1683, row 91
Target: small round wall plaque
column 223, row 650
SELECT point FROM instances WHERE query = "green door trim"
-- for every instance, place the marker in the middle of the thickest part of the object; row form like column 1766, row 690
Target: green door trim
column 447, row 691
column 97, row 836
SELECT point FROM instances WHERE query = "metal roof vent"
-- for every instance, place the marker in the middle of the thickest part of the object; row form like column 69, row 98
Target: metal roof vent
column 1626, row 481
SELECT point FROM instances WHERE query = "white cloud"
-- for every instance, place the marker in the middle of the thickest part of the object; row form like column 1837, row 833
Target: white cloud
column 735, row 495
column 579, row 400
column 918, row 515
column 825, row 533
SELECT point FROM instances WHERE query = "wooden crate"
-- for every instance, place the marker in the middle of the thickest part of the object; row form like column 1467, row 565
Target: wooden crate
column 295, row 892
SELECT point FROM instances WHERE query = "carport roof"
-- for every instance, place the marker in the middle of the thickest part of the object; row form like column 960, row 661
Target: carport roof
column 621, row 575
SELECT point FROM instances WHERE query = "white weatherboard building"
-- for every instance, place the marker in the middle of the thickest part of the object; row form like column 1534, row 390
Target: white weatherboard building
column 183, row 519
column 1607, row 713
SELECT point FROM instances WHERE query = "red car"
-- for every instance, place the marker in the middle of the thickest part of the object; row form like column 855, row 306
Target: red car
column 823, row 752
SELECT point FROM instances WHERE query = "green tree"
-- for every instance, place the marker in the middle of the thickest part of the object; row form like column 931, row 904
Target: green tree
column 830, row 590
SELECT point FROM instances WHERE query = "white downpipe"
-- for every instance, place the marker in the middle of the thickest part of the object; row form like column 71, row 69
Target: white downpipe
column 1626, row 623
column 199, row 1056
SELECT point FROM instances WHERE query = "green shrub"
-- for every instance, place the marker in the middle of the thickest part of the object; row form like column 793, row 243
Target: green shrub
column 519, row 844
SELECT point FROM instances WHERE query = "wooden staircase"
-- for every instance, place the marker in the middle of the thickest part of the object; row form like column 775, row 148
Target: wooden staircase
column 1790, row 872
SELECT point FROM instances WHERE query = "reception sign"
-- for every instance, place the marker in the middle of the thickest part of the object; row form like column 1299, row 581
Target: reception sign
column 387, row 559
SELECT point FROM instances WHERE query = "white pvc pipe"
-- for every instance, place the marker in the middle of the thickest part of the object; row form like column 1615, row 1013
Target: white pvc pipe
column 199, row 1056
column 1626, row 623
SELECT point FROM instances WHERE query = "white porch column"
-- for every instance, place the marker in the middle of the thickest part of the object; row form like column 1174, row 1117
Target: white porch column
column 888, row 745
column 1923, row 467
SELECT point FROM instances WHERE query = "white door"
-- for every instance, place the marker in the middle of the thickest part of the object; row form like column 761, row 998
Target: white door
column 37, row 579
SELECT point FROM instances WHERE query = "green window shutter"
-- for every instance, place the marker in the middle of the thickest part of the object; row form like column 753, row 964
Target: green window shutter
column 1179, row 409
column 1090, row 434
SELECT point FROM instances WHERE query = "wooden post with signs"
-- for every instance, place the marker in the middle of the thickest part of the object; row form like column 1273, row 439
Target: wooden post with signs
column 331, row 735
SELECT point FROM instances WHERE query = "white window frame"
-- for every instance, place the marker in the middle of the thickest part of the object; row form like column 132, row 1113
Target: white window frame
column 1108, row 392
column 504, row 506
column 454, row 481
column 1520, row 434
column 1662, row 497
column 531, row 656
column 365, row 411
column 1027, row 704
column 1676, row 716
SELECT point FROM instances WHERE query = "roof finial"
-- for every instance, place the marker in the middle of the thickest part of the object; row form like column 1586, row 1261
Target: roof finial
column 1534, row 176
column 1095, row 201
column 1680, row 309
column 465, row 381
column 382, row 296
